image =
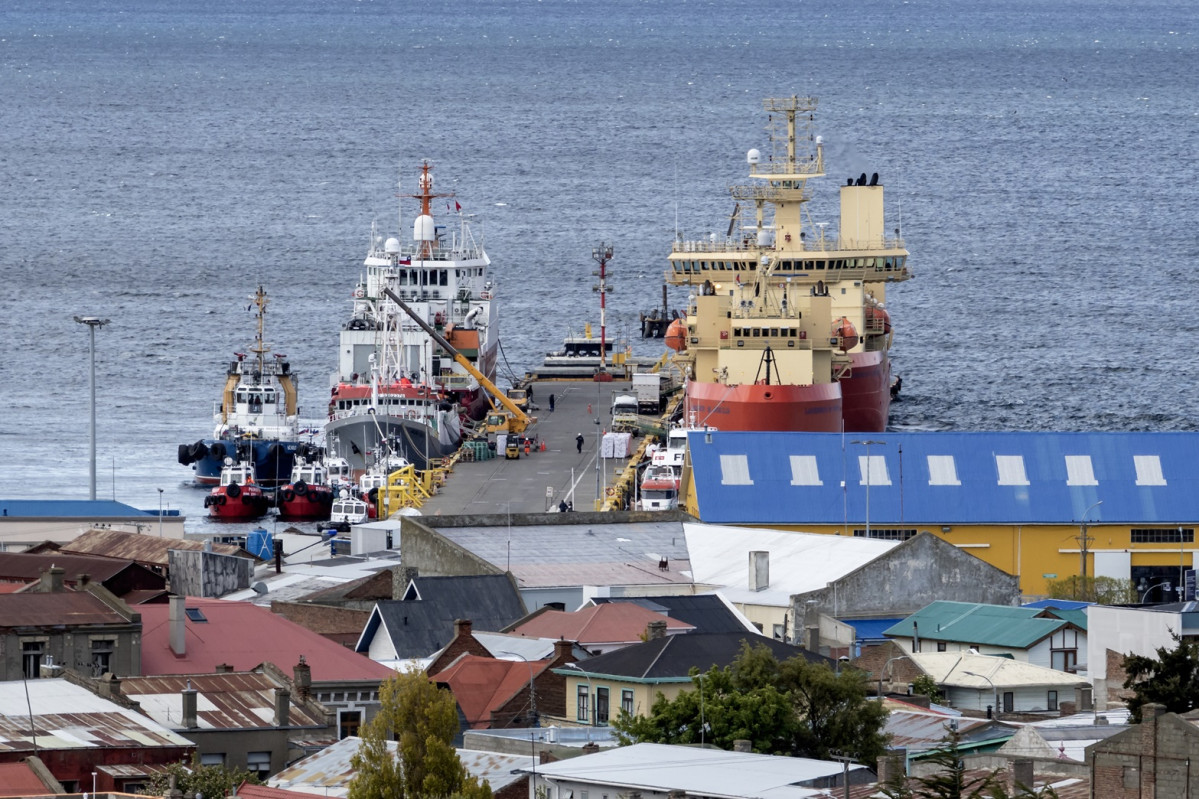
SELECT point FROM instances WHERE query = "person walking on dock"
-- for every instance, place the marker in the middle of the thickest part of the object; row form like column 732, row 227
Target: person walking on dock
column 579, row 442
column 551, row 403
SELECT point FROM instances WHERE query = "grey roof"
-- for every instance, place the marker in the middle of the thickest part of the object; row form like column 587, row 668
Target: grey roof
column 553, row 555
column 420, row 627
column 671, row 658
column 708, row 613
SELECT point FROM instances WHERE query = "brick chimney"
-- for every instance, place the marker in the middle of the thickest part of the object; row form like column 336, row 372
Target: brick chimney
column 110, row 686
column 189, row 706
column 301, row 674
column 462, row 628
column 51, row 581
column 282, row 707
column 176, row 617
column 655, row 629
column 563, row 650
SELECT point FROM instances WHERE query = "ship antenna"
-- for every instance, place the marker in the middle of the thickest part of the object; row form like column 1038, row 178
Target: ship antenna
column 399, row 204
column 676, row 199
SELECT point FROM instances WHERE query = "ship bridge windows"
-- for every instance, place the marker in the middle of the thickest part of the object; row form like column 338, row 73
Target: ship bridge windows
column 1149, row 470
column 804, row 471
column 1080, row 471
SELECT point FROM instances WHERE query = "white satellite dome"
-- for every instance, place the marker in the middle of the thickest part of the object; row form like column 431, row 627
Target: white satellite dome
column 392, row 245
column 423, row 229
column 753, row 156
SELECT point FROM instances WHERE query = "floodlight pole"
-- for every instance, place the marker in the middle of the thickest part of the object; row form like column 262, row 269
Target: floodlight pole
column 92, row 323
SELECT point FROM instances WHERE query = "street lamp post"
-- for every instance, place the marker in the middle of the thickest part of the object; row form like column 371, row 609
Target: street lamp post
column 599, row 493
column 883, row 671
column 92, row 323
column 993, row 688
column 590, row 702
column 868, row 444
column 532, row 693
column 160, row 513
column 1149, row 590
column 1084, row 541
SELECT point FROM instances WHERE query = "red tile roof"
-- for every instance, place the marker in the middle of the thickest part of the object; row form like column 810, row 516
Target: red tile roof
column 615, row 622
column 482, row 684
column 248, row 791
column 18, row 779
column 244, row 636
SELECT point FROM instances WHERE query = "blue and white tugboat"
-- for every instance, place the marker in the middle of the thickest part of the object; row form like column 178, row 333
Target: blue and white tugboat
column 257, row 417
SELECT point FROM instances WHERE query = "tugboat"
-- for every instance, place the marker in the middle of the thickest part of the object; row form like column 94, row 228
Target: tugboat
column 786, row 328
column 659, row 488
column 309, row 496
column 256, row 419
column 238, row 497
column 394, row 389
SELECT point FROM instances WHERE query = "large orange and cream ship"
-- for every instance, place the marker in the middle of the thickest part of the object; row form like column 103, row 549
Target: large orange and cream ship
column 786, row 328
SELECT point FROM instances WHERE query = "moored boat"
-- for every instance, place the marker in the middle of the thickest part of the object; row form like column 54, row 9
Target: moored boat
column 395, row 392
column 256, row 418
column 786, row 328
column 238, row 497
column 659, row 487
column 308, row 497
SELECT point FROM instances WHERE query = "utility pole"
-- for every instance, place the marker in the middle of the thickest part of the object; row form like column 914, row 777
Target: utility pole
column 1084, row 543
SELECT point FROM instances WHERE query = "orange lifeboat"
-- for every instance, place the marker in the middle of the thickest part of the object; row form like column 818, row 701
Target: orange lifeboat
column 676, row 335
column 877, row 320
column 845, row 334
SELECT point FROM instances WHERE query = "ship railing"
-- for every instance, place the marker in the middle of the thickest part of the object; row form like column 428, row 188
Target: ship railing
column 804, row 169
column 777, row 344
column 789, row 191
column 812, row 244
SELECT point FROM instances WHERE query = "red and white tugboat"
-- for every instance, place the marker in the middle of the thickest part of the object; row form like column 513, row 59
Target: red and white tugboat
column 237, row 497
column 308, row 497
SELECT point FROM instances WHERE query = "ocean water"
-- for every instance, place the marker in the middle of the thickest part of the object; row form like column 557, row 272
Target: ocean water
column 159, row 160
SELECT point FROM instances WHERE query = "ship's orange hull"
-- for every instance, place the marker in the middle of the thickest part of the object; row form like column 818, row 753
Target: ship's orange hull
column 861, row 401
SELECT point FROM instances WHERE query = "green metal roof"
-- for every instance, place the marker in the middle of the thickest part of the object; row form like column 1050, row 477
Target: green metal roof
column 1077, row 617
column 971, row 623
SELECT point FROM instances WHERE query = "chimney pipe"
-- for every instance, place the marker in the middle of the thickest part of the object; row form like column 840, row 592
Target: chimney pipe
column 282, row 707
column 278, row 556
column 176, row 617
column 301, row 675
column 759, row 571
column 189, row 706
column 52, row 580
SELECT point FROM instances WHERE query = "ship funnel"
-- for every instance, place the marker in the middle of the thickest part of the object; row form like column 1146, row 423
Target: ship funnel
column 753, row 157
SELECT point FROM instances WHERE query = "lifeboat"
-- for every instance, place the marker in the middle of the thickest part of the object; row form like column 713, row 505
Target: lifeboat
column 676, row 335
column 845, row 334
column 878, row 321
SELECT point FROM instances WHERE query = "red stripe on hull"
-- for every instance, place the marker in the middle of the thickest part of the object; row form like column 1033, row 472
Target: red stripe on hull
column 774, row 408
column 867, row 393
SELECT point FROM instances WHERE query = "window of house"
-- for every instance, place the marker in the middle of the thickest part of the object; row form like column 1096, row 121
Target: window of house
column 778, row 631
column 1162, row 535
column 601, row 705
column 31, row 658
column 259, row 763
column 348, row 722
column 940, row 646
column 212, row 759
column 1064, row 659
column 626, row 701
column 582, row 700
column 1052, row 701
column 102, row 650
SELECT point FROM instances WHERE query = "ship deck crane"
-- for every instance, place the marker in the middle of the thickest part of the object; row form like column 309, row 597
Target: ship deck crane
column 517, row 420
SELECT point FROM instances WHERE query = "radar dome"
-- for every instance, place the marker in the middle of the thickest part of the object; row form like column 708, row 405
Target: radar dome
column 423, row 229
column 753, row 156
column 392, row 245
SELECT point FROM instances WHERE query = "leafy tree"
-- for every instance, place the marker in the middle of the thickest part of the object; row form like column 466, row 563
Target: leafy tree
column 209, row 781
column 792, row 707
column 1104, row 590
column 927, row 686
column 423, row 720
column 1170, row 679
column 950, row 780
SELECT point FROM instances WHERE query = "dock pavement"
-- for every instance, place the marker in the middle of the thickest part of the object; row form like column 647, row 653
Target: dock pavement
column 538, row 482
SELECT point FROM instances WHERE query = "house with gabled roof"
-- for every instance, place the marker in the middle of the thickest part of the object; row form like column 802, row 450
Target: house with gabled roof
column 197, row 636
column 631, row 678
column 121, row 577
column 997, row 685
column 707, row 613
column 421, row 622
column 600, row 628
column 1034, row 635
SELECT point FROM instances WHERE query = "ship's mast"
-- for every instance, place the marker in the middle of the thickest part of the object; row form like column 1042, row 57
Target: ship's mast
column 426, row 197
column 601, row 255
column 260, row 349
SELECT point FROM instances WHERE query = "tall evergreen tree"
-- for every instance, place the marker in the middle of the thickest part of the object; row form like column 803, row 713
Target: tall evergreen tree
column 1170, row 679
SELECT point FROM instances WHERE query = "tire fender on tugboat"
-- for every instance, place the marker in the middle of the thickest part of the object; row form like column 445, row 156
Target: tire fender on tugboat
column 301, row 488
column 233, row 490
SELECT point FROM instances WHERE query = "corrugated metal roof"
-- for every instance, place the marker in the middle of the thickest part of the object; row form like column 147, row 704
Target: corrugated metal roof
column 28, row 566
column 67, row 716
column 672, row 657
column 947, row 478
column 149, row 549
column 69, row 608
column 702, row 772
column 708, row 613
column 18, row 779
column 330, row 769
column 71, row 509
column 555, row 555
column 976, row 623
column 950, row 668
column 605, row 623
column 238, row 700
column 916, row 731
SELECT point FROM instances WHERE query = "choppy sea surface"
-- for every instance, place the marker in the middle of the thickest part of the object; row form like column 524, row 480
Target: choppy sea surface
column 159, row 160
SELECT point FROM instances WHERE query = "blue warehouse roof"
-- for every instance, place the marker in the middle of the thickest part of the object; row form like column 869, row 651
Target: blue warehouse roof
column 945, row 478
column 73, row 508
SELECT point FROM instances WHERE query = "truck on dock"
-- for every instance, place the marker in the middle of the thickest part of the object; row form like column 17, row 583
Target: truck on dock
column 624, row 413
column 647, row 387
